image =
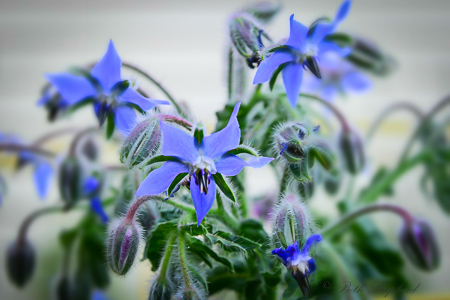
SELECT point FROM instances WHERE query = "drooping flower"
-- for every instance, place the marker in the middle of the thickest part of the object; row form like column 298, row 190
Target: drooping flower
column 338, row 77
column 302, row 49
column 110, row 94
column 43, row 171
column 299, row 261
column 204, row 161
column 92, row 187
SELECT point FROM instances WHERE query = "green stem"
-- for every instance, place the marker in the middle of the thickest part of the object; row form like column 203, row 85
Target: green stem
column 380, row 187
column 389, row 110
column 425, row 121
column 225, row 219
column 156, row 83
column 19, row 148
column 336, row 112
column 184, row 263
column 166, row 259
column 32, row 217
column 181, row 205
column 330, row 230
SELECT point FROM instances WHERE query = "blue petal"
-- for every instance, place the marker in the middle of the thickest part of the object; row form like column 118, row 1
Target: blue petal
column 232, row 165
column 72, row 88
column 343, row 11
column 42, row 175
column 44, row 99
column 315, row 238
column 356, row 82
column 176, row 142
column 91, row 185
column 202, row 202
column 282, row 254
column 225, row 140
column 292, row 78
column 134, row 97
column 98, row 295
column 107, row 70
column 159, row 180
column 270, row 64
column 311, row 265
column 97, row 207
column 125, row 119
column 297, row 35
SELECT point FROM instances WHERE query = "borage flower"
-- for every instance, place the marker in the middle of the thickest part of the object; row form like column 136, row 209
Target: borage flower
column 204, row 160
column 301, row 50
column 299, row 262
column 112, row 96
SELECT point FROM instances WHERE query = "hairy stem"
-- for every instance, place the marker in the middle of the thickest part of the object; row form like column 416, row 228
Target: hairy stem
column 336, row 112
column 165, row 262
column 156, row 83
column 366, row 210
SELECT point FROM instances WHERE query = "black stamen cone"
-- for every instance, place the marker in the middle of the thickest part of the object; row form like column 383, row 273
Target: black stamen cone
column 312, row 65
column 303, row 283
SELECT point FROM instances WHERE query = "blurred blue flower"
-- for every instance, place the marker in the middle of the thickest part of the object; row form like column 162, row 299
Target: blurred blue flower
column 43, row 171
column 299, row 262
column 301, row 50
column 92, row 187
column 99, row 295
column 338, row 77
column 201, row 161
column 111, row 95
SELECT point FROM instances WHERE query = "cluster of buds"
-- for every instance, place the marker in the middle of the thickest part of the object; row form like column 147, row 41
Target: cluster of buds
column 292, row 237
column 298, row 149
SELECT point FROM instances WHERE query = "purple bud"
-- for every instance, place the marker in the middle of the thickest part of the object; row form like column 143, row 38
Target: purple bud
column 352, row 149
column 141, row 143
column 420, row 245
column 20, row 261
column 123, row 245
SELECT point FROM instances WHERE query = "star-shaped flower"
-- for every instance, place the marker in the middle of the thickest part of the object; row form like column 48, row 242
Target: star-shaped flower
column 92, row 188
column 299, row 262
column 203, row 161
column 300, row 51
column 111, row 95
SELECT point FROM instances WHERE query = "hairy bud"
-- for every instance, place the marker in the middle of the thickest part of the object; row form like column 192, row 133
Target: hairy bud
column 247, row 37
column 352, row 149
column 70, row 180
column 291, row 221
column 20, row 261
column 290, row 141
column 123, row 245
column 420, row 245
column 141, row 143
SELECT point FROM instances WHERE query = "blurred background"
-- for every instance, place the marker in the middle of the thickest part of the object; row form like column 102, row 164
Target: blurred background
column 182, row 43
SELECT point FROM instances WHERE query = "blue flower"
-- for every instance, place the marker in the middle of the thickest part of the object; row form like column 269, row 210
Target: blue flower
column 98, row 295
column 299, row 262
column 112, row 96
column 92, row 187
column 43, row 171
column 301, row 49
column 203, row 161
column 338, row 77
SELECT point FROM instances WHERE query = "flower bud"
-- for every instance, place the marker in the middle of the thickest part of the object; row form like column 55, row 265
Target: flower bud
column 420, row 245
column 289, row 141
column 123, row 245
column 90, row 149
column 247, row 37
column 290, row 221
column 264, row 11
column 20, row 261
column 70, row 180
column 141, row 143
column 352, row 149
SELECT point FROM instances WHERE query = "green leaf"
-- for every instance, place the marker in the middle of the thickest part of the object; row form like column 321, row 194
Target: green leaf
column 68, row 237
column 223, row 186
column 199, row 133
column 323, row 154
column 110, row 126
column 232, row 243
column 157, row 241
column 194, row 229
column 254, row 230
column 175, row 183
column 204, row 251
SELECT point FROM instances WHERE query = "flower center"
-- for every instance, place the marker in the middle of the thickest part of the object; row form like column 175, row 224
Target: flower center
column 202, row 170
